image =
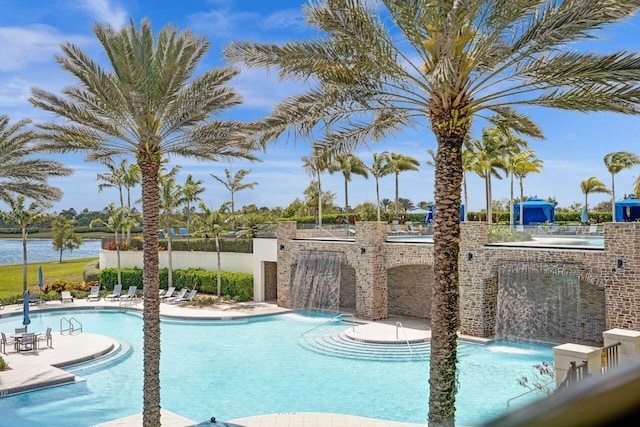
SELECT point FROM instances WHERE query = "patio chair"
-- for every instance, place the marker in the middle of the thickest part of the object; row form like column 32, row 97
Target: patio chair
column 94, row 294
column 410, row 228
column 65, row 296
column 183, row 232
column 21, row 330
column 172, row 232
column 167, row 294
column 7, row 341
column 161, row 234
column 554, row 228
column 572, row 229
column 117, row 290
column 35, row 299
column 192, row 295
column 131, row 293
column 180, row 296
column 27, row 342
column 47, row 337
column 396, row 227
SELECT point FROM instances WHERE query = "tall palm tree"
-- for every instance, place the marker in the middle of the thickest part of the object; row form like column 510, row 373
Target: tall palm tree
column 114, row 178
column 468, row 164
column 519, row 165
column 208, row 221
column 314, row 165
column 592, row 185
column 20, row 172
column 439, row 64
column 379, row 168
column 149, row 104
column 233, row 183
column 401, row 163
column 616, row 162
column 170, row 199
column 347, row 164
column 24, row 217
column 191, row 190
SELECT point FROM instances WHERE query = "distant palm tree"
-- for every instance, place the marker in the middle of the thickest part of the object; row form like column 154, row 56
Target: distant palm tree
column 115, row 178
column 314, row 165
column 592, row 185
column 21, row 173
column 191, row 190
column 401, row 163
column 519, row 165
column 24, row 217
column 234, row 183
column 208, row 221
column 150, row 104
column 377, row 67
column 468, row 164
column 379, row 168
column 170, row 200
column 347, row 164
column 616, row 162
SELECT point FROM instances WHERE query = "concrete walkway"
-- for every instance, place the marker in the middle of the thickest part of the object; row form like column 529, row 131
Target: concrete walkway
column 32, row 370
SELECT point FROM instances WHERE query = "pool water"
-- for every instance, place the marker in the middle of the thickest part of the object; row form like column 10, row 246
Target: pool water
column 243, row 368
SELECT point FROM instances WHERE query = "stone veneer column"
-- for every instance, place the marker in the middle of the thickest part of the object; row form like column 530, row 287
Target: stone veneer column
column 286, row 233
column 622, row 290
column 476, row 292
column 371, row 275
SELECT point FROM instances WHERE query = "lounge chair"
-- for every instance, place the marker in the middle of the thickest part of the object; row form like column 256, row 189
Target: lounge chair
column 167, row 294
column 180, row 296
column 183, row 232
column 161, row 234
column 172, row 232
column 35, row 299
column 7, row 341
column 1, row 305
column 192, row 295
column 410, row 228
column 117, row 290
column 46, row 337
column 554, row 228
column 572, row 229
column 396, row 227
column 94, row 294
column 65, row 296
column 131, row 293
column 28, row 342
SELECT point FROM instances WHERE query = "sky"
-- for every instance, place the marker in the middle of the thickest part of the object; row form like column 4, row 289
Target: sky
column 32, row 31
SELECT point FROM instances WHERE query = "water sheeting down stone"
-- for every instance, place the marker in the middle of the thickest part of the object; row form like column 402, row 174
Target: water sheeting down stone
column 316, row 283
column 548, row 307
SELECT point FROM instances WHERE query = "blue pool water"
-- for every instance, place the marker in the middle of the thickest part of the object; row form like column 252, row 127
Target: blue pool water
column 243, row 368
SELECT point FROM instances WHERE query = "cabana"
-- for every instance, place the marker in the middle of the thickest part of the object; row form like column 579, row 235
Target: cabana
column 431, row 211
column 628, row 210
column 535, row 211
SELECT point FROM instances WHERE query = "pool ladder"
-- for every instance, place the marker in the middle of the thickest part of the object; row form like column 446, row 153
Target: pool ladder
column 72, row 326
column 353, row 322
column 398, row 327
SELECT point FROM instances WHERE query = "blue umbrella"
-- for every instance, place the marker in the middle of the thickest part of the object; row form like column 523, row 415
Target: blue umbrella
column 40, row 278
column 25, row 309
column 584, row 218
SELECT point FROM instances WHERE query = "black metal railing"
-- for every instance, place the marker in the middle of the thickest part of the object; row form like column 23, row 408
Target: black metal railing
column 574, row 374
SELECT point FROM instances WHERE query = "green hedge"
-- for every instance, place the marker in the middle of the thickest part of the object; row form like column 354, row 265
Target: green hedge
column 559, row 217
column 234, row 285
column 239, row 245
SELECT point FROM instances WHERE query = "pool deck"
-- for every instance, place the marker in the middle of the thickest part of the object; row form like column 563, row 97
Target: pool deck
column 44, row 368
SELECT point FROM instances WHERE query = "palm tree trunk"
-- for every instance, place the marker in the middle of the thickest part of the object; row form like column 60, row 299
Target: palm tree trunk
column 444, row 307
column 464, row 186
column 346, row 200
column 487, row 183
column 511, row 204
column 319, row 202
column 521, row 202
column 219, row 267
column 24, row 260
column 586, row 205
column 151, row 311
column 397, row 196
column 118, row 258
column 169, row 262
column 378, row 198
column 613, row 199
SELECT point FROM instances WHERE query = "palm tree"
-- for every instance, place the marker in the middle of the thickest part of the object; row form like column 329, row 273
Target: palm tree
column 616, row 162
column 24, row 217
column 519, row 165
column 148, row 105
column 234, row 183
column 440, row 63
column 468, row 164
column 401, row 163
column 378, row 169
column 20, row 172
column 191, row 189
column 170, row 199
column 314, row 165
column 347, row 164
column 592, row 185
column 114, row 178
column 212, row 222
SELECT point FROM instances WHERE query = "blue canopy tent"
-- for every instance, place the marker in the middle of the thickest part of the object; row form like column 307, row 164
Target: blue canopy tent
column 535, row 211
column 431, row 211
column 628, row 210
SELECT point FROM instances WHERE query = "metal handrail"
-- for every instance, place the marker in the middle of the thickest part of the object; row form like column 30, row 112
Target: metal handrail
column 574, row 374
column 609, row 357
column 399, row 326
column 329, row 321
column 527, row 392
column 73, row 326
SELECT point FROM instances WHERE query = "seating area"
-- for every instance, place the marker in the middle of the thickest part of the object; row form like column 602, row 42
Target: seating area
column 180, row 296
column 131, row 293
column 167, row 294
column 65, row 296
column 117, row 290
column 94, row 295
column 23, row 341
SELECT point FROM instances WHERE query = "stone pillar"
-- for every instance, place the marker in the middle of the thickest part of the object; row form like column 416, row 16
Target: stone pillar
column 629, row 349
column 566, row 353
column 478, row 294
column 286, row 233
column 371, row 275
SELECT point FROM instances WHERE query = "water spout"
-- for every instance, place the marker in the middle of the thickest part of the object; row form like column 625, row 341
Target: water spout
column 316, row 283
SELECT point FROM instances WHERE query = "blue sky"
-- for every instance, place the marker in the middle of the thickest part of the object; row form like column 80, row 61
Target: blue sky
column 31, row 33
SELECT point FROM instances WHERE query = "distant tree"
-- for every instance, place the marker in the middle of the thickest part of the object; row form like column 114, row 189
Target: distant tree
column 592, row 185
column 399, row 163
column 519, row 165
column 69, row 213
column 604, row 206
column 314, row 165
column 233, row 183
column 64, row 237
column 348, row 165
column 317, row 201
column 406, row 205
column 379, row 168
column 615, row 163
column 191, row 190
column 170, row 200
column 114, row 178
column 24, row 217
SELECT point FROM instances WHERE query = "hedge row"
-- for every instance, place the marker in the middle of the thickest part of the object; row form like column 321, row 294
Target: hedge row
column 234, row 285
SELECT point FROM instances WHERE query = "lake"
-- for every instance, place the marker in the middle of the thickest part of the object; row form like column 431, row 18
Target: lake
column 41, row 250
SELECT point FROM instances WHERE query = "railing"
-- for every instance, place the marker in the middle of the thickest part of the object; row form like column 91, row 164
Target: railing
column 609, row 357
column 574, row 374
column 331, row 320
column 398, row 327
column 71, row 326
column 529, row 391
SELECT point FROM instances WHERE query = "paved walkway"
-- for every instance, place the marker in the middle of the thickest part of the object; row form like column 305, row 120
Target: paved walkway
column 31, row 370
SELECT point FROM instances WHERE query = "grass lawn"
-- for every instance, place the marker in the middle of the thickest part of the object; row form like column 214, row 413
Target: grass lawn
column 11, row 275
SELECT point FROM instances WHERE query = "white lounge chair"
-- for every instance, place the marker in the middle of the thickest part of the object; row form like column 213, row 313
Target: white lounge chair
column 131, row 293
column 192, row 295
column 117, row 290
column 396, row 227
column 180, row 296
column 46, row 337
column 94, row 294
column 168, row 294
column 7, row 341
column 65, row 296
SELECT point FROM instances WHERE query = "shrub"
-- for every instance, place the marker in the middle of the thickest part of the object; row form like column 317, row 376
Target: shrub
column 90, row 272
column 542, row 378
column 3, row 364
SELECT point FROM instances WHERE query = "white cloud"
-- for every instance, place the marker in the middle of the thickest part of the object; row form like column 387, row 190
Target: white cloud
column 104, row 12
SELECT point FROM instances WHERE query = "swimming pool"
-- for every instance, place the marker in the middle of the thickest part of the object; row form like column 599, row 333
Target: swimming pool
column 243, row 368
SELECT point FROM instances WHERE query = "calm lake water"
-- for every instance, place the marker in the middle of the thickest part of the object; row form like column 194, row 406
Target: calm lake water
column 41, row 250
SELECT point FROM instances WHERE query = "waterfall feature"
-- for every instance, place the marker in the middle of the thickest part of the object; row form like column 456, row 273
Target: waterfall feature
column 316, row 283
column 548, row 307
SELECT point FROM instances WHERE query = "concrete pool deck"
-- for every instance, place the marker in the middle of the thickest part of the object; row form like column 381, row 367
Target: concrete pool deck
column 44, row 368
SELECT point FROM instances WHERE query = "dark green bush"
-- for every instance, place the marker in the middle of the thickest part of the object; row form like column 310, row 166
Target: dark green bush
column 239, row 245
column 238, row 286
column 90, row 272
